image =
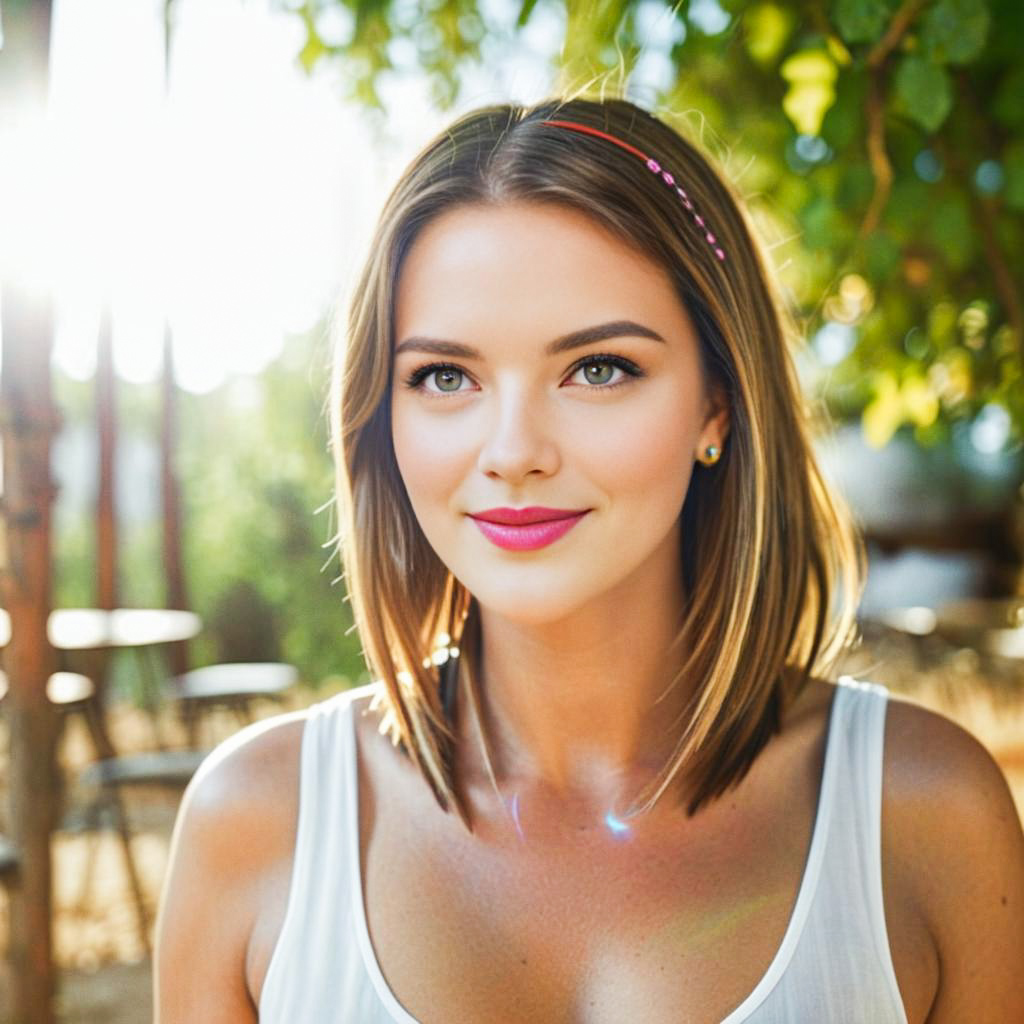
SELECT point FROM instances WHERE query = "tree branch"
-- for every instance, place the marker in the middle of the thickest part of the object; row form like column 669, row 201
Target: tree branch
column 878, row 157
column 901, row 21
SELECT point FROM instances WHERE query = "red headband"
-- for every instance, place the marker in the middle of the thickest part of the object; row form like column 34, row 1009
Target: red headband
column 651, row 165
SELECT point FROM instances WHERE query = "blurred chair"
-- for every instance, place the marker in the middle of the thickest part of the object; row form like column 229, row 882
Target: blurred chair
column 69, row 692
column 72, row 692
column 8, row 861
column 233, row 686
column 106, row 780
column 8, row 864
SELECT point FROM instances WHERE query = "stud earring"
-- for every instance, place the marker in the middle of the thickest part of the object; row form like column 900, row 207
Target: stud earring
column 711, row 455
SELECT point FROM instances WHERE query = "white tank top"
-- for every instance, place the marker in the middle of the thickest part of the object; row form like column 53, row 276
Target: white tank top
column 833, row 964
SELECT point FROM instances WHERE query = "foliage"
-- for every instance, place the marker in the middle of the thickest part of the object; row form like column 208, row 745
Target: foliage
column 885, row 138
column 255, row 474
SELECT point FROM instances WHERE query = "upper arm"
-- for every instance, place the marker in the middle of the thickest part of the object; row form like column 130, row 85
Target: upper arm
column 965, row 864
column 232, row 821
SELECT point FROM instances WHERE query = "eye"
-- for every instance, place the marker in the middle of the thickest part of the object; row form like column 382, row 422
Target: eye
column 606, row 365
column 447, row 376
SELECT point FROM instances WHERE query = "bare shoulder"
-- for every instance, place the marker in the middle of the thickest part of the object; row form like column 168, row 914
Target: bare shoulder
column 237, row 819
column 244, row 795
column 956, row 838
column 259, row 762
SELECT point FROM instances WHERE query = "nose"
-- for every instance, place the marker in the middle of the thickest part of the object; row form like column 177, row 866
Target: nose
column 517, row 439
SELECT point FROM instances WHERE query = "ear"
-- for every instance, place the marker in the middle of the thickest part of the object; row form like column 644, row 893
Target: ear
column 716, row 421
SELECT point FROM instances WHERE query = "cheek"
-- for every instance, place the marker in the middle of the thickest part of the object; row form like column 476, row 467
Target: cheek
column 431, row 455
column 645, row 450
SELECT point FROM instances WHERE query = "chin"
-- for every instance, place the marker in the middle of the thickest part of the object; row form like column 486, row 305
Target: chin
column 537, row 602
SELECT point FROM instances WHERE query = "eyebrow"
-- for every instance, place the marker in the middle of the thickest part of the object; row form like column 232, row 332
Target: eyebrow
column 574, row 339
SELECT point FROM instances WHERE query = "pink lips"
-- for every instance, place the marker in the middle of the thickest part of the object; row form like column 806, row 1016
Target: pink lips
column 526, row 529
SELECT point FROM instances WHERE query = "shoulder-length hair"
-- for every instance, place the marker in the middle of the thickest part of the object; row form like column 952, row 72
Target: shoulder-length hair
column 772, row 567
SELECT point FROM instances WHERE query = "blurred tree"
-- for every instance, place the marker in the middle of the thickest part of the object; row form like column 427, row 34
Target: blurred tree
column 256, row 475
column 257, row 524
column 887, row 136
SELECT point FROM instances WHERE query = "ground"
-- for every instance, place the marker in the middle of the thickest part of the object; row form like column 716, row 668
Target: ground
column 105, row 973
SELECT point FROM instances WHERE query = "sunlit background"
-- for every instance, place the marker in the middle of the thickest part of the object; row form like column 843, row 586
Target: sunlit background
column 210, row 181
column 223, row 193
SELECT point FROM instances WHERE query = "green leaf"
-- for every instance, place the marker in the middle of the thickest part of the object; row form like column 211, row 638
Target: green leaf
column 1007, row 106
column 952, row 230
column 524, row 12
column 312, row 51
column 767, row 27
column 923, row 91
column 883, row 256
column 811, row 75
column 821, row 222
column 1013, row 166
column 954, row 31
column 844, row 123
column 860, row 21
column 884, row 414
column 856, row 183
column 941, row 326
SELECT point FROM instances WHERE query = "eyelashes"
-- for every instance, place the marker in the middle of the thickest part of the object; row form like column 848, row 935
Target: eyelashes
column 414, row 381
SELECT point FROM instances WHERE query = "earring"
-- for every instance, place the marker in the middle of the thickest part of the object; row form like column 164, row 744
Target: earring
column 711, row 455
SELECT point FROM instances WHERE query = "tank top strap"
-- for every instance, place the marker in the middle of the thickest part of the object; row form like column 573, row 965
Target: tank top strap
column 318, row 912
column 850, row 901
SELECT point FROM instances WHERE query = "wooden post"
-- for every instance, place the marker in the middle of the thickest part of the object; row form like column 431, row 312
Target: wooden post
column 27, row 423
column 106, row 513
column 106, row 430
column 174, row 562
column 174, row 571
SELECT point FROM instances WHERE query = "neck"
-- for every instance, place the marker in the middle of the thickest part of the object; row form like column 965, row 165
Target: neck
column 579, row 712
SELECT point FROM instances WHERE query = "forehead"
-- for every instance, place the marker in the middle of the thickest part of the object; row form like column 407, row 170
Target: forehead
column 530, row 267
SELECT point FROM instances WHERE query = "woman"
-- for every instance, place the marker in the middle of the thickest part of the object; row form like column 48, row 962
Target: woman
column 598, row 580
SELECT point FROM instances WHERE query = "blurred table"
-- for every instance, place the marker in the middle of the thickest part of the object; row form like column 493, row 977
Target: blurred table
column 90, row 629
column 83, row 638
column 232, row 685
column 63, row 689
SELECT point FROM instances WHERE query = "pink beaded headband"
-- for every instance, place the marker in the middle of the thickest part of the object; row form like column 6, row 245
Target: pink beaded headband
column 652, row 165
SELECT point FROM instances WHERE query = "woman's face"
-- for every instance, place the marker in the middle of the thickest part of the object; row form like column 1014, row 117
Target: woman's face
column 611, row 426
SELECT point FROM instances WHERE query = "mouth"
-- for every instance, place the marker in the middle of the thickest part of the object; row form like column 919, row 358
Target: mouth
column 531, row 534
column 526, row 516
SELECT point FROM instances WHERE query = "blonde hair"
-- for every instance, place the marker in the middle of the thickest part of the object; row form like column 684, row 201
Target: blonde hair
column 772, row 567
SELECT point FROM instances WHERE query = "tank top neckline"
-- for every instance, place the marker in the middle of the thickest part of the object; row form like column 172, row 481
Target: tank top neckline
column 790, row 938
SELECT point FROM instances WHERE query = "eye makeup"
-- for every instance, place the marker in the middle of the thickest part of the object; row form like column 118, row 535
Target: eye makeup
column 414, row 381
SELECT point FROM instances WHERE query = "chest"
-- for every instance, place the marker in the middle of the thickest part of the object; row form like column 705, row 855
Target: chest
column 573, row 938
column 565, row 925
column 580, row 928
